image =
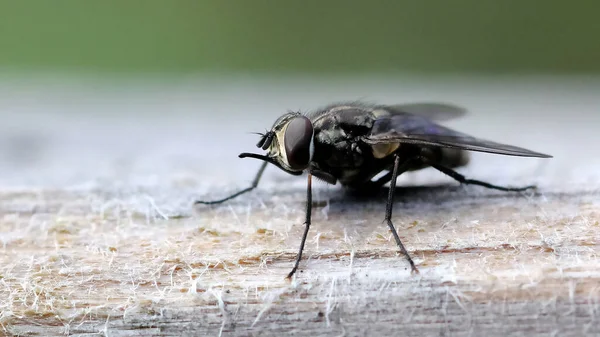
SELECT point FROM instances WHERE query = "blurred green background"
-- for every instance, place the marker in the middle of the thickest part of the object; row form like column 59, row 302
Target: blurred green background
column 305, row 37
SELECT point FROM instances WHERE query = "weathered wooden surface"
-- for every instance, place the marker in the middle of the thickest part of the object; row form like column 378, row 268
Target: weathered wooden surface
column 99, row 237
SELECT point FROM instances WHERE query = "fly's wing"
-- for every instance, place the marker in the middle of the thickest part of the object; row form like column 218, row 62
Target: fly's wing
column 430, row 110
column 418, row 130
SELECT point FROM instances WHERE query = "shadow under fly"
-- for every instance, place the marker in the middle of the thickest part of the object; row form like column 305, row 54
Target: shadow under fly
column 353, row 142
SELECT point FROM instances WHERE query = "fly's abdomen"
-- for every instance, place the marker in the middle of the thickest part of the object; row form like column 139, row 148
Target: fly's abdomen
column 454, row 157
column 448, row 157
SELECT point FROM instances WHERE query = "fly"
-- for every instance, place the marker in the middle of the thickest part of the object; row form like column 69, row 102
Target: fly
column 353, row 142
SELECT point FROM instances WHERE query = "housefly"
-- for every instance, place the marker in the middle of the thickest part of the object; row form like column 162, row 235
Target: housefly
column 354, row 142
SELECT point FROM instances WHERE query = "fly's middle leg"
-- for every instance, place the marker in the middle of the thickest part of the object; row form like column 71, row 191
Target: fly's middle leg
column 398, row 169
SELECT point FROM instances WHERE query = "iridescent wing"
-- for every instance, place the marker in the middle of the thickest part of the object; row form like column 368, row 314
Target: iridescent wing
column 400, row 127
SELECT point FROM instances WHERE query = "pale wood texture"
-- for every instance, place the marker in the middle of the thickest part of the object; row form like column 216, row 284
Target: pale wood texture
column 101, row 237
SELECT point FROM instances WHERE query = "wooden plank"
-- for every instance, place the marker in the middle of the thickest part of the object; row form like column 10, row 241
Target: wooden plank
column 489, row 263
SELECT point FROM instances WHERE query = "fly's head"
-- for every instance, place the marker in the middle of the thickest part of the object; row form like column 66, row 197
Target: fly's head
column 289, row 143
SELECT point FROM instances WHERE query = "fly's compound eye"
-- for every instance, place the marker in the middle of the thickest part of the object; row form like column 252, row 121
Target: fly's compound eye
column 298, row 141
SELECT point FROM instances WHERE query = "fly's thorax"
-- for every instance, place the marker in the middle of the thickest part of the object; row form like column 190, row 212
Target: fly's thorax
column 293, row 142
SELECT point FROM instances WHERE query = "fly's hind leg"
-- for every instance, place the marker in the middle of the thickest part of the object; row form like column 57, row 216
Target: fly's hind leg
column 463, row 180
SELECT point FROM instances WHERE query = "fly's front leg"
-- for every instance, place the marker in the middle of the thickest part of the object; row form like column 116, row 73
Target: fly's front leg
column 398, row 169
column 253, row 186
column 306, row 224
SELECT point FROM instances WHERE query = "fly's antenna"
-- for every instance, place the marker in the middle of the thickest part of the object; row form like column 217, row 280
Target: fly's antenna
column 265, row 140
